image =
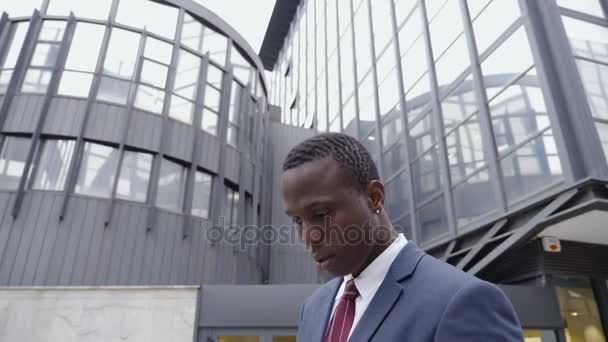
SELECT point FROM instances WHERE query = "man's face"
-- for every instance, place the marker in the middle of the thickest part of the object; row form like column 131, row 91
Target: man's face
column 332, row 216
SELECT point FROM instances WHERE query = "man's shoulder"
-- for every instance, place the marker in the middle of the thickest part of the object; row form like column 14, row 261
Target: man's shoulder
column 325, row 289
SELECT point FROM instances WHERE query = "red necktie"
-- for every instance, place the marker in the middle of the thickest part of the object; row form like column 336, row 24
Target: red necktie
column 342, row 321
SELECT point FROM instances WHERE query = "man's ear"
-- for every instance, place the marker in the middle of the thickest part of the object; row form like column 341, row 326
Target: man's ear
column 375, row 195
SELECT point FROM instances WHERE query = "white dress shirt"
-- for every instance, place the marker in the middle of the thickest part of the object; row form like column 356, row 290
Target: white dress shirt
column 370, row 279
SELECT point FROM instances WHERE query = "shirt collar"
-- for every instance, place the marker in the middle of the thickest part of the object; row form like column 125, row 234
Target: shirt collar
column 373, row 275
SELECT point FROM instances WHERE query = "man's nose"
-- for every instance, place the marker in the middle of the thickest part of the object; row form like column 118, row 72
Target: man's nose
column 312, row 234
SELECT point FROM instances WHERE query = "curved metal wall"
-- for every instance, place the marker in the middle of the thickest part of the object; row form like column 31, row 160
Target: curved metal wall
column 62, row 235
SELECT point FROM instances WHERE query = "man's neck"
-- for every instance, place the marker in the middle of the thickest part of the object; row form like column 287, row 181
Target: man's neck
column 379, row 247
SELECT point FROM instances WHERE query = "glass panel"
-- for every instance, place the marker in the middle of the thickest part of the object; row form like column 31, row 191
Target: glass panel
column 595, row 80
column 243, row 71
column 232, row 136
column 388, row 88
column 150, row 99
column 12, row 161
column 459, row 105
column 532, row 167
column 202, row 194
column 602, row 129
column 45, row 55
column 474, row 198
column 426, row 174
column 186, row 76
column 75, row 84
column 587, row 39
column 422, row 134
column 239, row 339
column 20, row 30
column 212, row 98
column 84, row 50
column 518, row 112
column 158, row 18
column 134, row 176
column 158, row 50
column 347, row 68
column 392, row 129
column 235, row 98
column 52, row 30
column 203, row 39
column 465, row 149
column 171, row 185
column 122, row 53
column 418, row 99
column 113, row 90
column 445, row 27
column 403, row 8
column 232, row 207
column 99, row 9
column 453, row 63
column 382, row 23
column 395, row 159
column 367, row 108
column 592, row 7
column 181, row 109
column 371, row 144
column 510, row 59
column 579, row 309
column 97, row 170
column 414, row 63
column 5, row 78
column 209, row 122
column 215, row 76
column 23, row 8
column 411, row 31
column 154, row 74
column 363, row 45
column 493, row 21
column 397, row 196
column 36, row 81
column 433, row 220
column 539, row 336
column 52, row 170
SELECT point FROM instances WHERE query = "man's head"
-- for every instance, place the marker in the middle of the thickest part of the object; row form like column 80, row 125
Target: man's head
column 332, row 190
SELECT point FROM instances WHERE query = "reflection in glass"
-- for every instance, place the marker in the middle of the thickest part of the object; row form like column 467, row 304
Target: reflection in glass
column 459, row 105
column 392, row 129
column 473, row 198
column 518, row 112
column 397, row 196
column 122, row 53
column 171, row 186
column 203, row 39
column 539, row 336
column 19, row 32
column 602, row 129
column 160, row 19
column 367, row 109
column 52, row 170
column 212, row 98
column 592, row 7
column 85, row 46
column 45, row 55
column 465, row 149
column 422, row 134
column 134, row 176
column 113, row 90
column 52, row 30
column 158, row 50
column 243, row 70
column 531, row 167
column 579, row 308
column 202, row 194
column 98, row 9
column 97, row 170
column 426, row 174
column 186, row 76
column 433, row 220
column 509, row 60
column 5, row 78
column 75, row 84
column 493, row 21
column 12, row 161
column 215, row 76
column 149, row 99
column 587, row 39
column 231, row 207
column 36, row 81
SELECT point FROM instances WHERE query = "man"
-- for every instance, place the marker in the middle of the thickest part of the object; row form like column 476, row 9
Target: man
column 387, row 288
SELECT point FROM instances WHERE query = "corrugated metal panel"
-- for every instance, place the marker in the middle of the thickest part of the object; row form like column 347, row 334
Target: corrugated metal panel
column 577, row 258
column 232, row 164
column 106, row 122
column 145, row 130
column 24, row 113
column 181, row 140
column 300, row 268
column 210, row 152
column 65, row 116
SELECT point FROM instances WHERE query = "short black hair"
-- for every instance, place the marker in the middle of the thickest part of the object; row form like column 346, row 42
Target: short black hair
column 350, row 154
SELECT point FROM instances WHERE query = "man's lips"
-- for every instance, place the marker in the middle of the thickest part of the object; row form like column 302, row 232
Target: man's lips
column 325, row 261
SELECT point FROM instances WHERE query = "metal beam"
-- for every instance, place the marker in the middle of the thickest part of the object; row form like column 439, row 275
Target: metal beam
column 481, row 243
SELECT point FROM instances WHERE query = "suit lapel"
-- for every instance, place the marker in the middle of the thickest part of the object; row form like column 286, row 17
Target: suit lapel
column 324, row 304
column 389, row 292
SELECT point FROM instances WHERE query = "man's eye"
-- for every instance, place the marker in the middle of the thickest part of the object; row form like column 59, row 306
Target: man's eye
column 297, row 220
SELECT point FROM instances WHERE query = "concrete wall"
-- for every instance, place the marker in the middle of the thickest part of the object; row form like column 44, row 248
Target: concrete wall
column 98, row 314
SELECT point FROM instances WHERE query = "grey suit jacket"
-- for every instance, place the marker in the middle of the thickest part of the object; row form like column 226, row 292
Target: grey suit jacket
column 421, row 299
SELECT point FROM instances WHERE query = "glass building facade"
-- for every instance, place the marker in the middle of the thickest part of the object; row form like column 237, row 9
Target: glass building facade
column 456, row 100
column 185, row 83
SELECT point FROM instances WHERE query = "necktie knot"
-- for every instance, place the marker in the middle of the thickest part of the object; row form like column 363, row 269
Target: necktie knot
column 350, row 291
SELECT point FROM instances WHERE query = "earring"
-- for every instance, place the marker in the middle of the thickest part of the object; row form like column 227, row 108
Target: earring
column 377, row 211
